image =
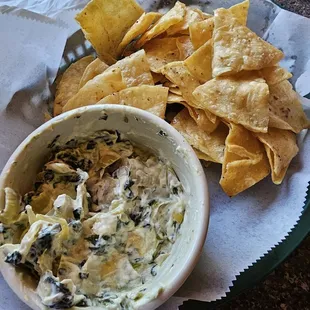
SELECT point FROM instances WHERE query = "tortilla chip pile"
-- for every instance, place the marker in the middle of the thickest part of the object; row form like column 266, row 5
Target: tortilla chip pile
column 239, row 109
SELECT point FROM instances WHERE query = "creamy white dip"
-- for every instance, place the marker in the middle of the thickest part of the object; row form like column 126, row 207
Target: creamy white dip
column 102, row 218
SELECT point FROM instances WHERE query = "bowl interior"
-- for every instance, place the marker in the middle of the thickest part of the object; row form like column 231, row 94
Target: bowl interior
column 145, row 129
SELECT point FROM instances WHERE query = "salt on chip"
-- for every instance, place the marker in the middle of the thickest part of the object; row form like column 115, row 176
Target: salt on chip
column 145, row 97
column 135, row 69
column 94, row 90
column 240, row 99
column 177, row 73
column 281, row 148
column 191, row 16
column 105, row 22
column 199, row 64
column 185, row 47
column 160, row 52
column 138, row 28
column 237, row 48
column 245, row 162
column 210, row 144
column 172, row 17
column 96, row 67
column 275, row 74
column 201, row 32
column 68, row 84
column 286, row 111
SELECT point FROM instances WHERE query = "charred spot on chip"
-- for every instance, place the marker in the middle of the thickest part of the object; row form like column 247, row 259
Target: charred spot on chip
column 77, row 116
column 126, row 119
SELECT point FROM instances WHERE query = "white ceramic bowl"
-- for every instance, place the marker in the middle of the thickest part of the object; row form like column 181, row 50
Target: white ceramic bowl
column 143, row 128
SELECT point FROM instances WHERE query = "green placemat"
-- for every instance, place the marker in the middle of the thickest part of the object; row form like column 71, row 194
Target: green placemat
column 255, row 273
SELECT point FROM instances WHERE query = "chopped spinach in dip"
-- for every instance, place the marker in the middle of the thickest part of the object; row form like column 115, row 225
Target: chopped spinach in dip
column 101, row 219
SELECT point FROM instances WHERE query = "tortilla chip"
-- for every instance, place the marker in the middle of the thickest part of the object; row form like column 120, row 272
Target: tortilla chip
column 202, row 155
column 105, row 22
column 245, row 162
column 240, row 11
column 237, row 48
column 170, row 84
column 138, row 28
column 177, row 73
column 203, row 119
column 93, row 69
column 159, row 52
column 199, row 64
column 275, row 74
column 173, row 98
column 281, row 148
column 100, row 86
column 239, row 99
column 201, row 32
column 203, row 15
column 172, row 17
column 210, row 144
column 286, row 111
column 206, row 121
column 191, row 16
column 145, row 97
column 158, row 78
column 68, row 84
column 175, row 90
column 185, row 47
column 135, row 69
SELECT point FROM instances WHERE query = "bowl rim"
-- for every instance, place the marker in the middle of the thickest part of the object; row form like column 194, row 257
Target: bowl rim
column 193, row 161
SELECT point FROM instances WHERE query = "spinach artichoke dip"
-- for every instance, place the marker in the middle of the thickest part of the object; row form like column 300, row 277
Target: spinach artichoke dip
column 101, row 219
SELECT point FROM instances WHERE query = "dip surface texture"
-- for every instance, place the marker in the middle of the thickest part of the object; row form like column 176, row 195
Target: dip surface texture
column 101, row 219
